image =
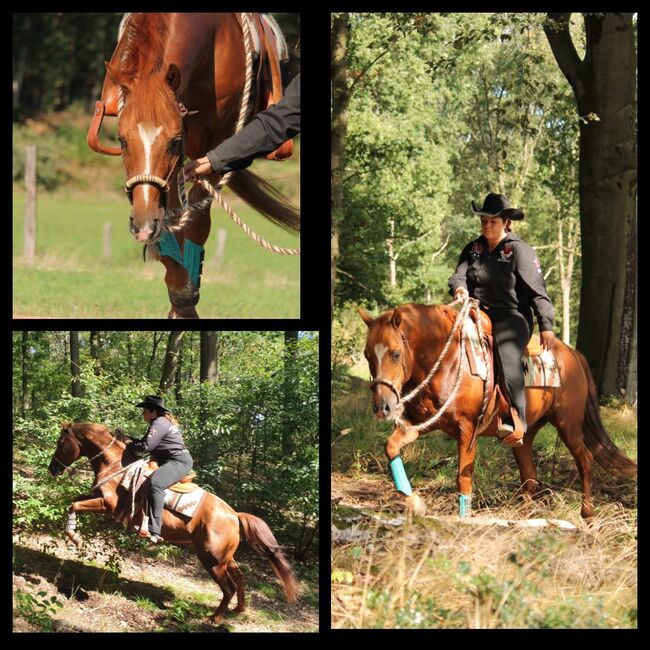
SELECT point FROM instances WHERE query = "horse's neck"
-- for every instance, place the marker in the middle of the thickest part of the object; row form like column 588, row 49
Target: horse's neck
column 433, row 335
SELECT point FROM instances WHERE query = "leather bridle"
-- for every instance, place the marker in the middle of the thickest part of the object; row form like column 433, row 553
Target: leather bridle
column 387, row 382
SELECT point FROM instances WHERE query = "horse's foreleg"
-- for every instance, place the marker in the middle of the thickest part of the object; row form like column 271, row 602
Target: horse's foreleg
column 95, row 504
column 183, row 294
column 465, row 470
column 184, row 267
column 397, row 440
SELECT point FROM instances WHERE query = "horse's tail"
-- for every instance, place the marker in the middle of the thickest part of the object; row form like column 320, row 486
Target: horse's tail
column 606, row 453
column 265, row 199
column 259, row 536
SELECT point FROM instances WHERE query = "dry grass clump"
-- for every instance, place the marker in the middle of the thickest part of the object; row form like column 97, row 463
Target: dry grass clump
column 441, row 573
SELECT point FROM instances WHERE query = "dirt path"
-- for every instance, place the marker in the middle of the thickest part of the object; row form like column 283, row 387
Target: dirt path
column 165, row 594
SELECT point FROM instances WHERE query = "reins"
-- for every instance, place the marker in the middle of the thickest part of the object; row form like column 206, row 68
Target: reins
column 459, row 323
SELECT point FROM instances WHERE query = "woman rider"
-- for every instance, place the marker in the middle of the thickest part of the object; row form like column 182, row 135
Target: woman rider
column 504, row 274
column 164, row 442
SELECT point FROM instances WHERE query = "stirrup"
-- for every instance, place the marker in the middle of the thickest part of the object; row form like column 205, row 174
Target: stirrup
column 511, row 435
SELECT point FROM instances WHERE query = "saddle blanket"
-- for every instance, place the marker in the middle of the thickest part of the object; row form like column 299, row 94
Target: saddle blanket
column 539, row 370
column 184, row 503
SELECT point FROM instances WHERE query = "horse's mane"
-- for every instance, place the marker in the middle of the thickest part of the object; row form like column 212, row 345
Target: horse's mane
column 98, row 428
column 146, row 38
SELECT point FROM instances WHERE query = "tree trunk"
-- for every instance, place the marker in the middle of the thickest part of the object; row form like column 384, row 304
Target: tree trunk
column 290, row 393
column 340, row 101
column 392, row 257
column 171, row 360
column 24, row 402
column 75, row 369
column 95, row 348
column 604, row 84
column 209, row 364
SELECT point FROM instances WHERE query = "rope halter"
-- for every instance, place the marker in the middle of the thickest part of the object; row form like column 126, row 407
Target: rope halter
column 398, row 412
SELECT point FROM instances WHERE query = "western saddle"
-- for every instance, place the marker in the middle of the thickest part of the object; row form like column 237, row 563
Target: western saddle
column 499, row 404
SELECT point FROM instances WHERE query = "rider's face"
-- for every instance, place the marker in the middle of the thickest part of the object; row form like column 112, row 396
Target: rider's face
column 148, row 415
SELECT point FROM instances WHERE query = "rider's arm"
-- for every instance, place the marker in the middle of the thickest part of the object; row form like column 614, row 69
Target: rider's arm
column 262, row 135
column 459, row 278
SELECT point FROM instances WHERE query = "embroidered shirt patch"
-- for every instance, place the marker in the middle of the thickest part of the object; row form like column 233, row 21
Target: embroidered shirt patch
column 477, row 249
column 506, row 254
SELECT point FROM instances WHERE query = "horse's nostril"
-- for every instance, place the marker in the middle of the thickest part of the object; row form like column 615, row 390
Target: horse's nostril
column 375, row 408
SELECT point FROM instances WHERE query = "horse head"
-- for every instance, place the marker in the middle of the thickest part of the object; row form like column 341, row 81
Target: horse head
column 150, row 131
column 68, row 450
column 85, row 439
column 390, row 359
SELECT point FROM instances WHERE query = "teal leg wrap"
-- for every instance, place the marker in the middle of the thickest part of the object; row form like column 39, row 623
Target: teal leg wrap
column 399, row 476
column 193, row 261
column 465, row 504
column 191, row 258
column 169, row 246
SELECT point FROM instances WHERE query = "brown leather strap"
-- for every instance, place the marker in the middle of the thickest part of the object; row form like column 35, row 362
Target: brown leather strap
column 93, row 133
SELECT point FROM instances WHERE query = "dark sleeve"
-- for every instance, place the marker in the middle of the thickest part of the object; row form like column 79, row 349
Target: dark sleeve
column 157, row 429
column 262, row 135
column 459, row 278
column 529, row 273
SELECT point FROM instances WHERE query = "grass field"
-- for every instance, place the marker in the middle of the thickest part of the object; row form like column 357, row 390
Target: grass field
column 392, row 571
column 70, row 278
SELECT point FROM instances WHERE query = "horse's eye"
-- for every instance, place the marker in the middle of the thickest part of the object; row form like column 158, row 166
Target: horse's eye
column 396, row 356
column 122, row 142
column 176, row 146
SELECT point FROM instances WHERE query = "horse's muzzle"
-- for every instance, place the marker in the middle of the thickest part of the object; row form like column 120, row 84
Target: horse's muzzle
column 383, row 404
column 56, row 469
column 147, row 233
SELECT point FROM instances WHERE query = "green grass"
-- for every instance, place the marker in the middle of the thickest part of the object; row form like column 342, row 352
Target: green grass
column 71, row 280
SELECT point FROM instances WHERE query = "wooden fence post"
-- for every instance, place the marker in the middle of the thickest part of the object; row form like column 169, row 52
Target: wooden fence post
column 221, row 246
column 29, row 244
column 107, row 240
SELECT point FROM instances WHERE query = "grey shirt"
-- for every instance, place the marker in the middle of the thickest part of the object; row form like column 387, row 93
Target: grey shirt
column 162, row 440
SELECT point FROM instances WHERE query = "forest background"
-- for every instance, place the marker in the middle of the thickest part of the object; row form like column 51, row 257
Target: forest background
column 247, row 403
column 431, row 111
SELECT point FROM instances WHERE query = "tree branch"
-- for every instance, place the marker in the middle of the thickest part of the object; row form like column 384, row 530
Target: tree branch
column 556, row 28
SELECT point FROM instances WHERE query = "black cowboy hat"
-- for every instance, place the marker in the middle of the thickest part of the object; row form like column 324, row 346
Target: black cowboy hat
column 497, row 205
column 154, row 402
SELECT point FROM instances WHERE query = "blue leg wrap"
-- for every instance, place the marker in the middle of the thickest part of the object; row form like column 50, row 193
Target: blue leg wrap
column 399, row 476
column 465, row 504
column 191, row 258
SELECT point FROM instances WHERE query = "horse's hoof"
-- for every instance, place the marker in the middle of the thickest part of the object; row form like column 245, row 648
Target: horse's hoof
column 415, row 505
column 217, row 619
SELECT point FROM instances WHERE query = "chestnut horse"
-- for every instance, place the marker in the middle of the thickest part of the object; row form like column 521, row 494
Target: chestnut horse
column 215, row 530
column 405, row 344
column 182, row 83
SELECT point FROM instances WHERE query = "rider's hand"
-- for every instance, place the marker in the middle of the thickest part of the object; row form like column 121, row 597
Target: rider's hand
column 461, row 294
column 547, row 339
column 199, row 167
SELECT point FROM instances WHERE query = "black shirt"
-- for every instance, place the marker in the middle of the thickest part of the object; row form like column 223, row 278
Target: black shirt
column 262, row 135
column 162, row 440
column 510, row 277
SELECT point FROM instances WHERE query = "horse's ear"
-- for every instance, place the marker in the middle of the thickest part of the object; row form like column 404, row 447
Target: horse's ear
column 173, row 77
column 396, row 318
column 367, row 319
column 65, row 426
column 119, row 77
